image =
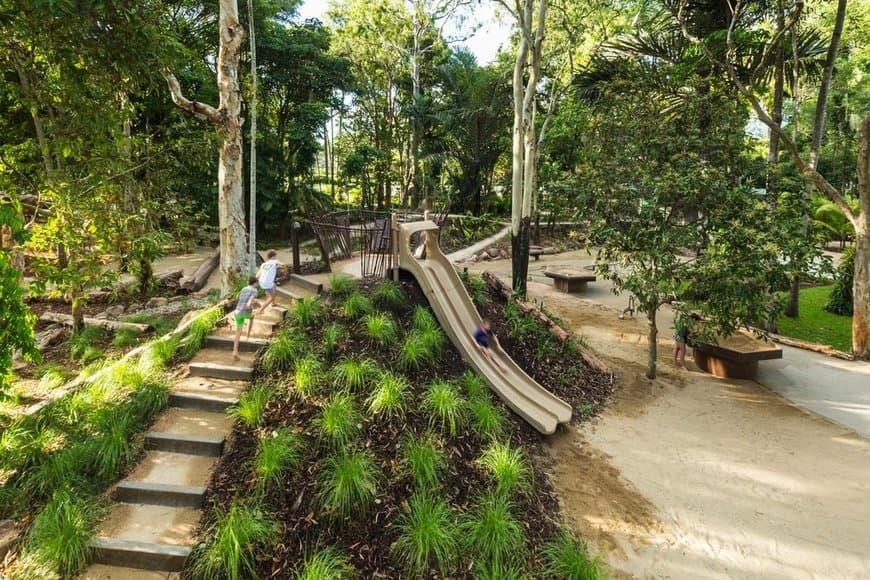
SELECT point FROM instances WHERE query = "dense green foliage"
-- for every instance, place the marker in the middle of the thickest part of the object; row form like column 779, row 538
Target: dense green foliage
column 815, row 324
column 840, row 301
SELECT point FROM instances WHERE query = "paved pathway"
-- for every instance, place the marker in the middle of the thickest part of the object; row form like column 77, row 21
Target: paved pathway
column 836, row 389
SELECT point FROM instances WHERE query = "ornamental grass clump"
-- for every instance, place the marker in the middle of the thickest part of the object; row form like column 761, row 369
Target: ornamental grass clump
column 306, row 378
column 341, row 286
column 487, row 420
column 111, row 450
column 354, row 373
column 199, row 329
column 82, row 344
column 356, row 305
column 339, row 421
column 389, row 395
column 307, row 311
column 347, row 483
column 387, row 293
column 332, row 336
column 415, row 352
column 473, row 384
column 433, row 340
column 236, row 538
column 445, row 405
column 567, row 558
column 63, row 469
column 278, row 453
column 423, row 319
column 492, row 534
column 251, row 408
column 157, row 355
column 507, row 467
column 325, row 564
column 285, row 350
column 425, row 460
column 60, row 536
column 427, row 536
column 379, row 328
column 125, row 337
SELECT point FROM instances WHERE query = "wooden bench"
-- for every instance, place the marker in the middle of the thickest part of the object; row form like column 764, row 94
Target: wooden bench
column 536, row 252
column 569, row 279
column 735, row 357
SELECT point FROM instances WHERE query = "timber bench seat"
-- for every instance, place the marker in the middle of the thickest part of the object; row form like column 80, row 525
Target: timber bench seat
column 536, row 252
column 570, row 279
column 735, row 357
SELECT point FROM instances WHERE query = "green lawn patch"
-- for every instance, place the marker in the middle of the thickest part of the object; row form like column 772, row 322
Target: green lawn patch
column 817, row 325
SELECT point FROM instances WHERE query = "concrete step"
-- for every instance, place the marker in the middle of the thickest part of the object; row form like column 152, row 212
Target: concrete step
column 193, row 423
column 307, row 284
column 187, row 444
column 210, row 386
column 142, row 555
column 148, row 524
column 226, row 343
column 203, row 402
column 286, row 296
column 223, row 357
column 104, row 572
column 172, row 468
column 163, row 494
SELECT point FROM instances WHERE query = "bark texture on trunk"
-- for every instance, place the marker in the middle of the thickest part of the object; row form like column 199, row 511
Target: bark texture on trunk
column 861, row 282
column 651, row 340
column 520, row 257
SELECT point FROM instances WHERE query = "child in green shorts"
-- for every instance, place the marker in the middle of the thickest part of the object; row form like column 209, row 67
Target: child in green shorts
column 245, row 311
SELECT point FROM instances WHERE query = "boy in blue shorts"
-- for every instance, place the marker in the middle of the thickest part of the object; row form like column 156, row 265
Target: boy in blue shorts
column 245, row 311
column 482, row 336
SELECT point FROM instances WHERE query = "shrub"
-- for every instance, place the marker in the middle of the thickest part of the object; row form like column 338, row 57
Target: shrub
column 234, row 541
column 252, row 406
column 341, row 285
column 387, row 293
column 519, row 324
column 277, row 453
column 427, row 536
column 446, row 405
column 424, row 460
column 347, row 483
column 356, row 305
column 492, row 534
column 307, row 375
column 567, row 558
column 339, row 421
column 332, row 335
column 307, row 311
column 388, row 397
column 325, row 564
column 487, row 419
column 354, row 373
column 423, row 319
column 60, row 535
column 380, row 328
column 507, row 466
column 840, row 300
column 285, row 350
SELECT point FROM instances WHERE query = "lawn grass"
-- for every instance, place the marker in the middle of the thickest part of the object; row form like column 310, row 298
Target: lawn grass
column 815, row 324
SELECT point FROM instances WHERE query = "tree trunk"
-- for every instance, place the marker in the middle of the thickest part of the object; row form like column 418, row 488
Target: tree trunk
column 792, row 310
column 652, row 341
column 202, row 273
column 520, row 257
column 861, row 282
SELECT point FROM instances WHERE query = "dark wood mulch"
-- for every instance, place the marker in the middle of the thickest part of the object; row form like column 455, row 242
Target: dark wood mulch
column 366, row 537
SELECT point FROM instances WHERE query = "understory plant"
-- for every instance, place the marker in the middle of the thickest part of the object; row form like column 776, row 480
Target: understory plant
column 306, row 378
column 445, row 405
column 341, row 286
column 425, row 460
column 427, row 536
column 339, row 421
column 380, row 328
column 332, row 336
column 199, row 329
column 356, row 305
column 487, row 420
column 307, row 311
column 388, row 397
column 387, row 293
column 252, row 405
column 278, row 452
column 347, row 483
column 281, row 355
column 507, row 467
column 325, row 564
column 237, row 535
column 354, row 373
column 416, row 351
column 60, row 535
column 566, row 557
column 492, row 534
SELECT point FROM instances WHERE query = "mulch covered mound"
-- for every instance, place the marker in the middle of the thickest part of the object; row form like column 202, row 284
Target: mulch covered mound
column 366, row 537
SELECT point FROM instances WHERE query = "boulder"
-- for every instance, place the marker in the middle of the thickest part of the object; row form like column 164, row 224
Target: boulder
column 157, row 302
column 114, row 311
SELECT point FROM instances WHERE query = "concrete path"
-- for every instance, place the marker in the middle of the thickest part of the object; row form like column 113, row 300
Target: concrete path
column 836, row 389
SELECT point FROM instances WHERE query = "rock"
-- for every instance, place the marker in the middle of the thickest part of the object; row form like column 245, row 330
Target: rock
column 102, row 315
column 9, row 534
column 133, row 307
column 114, row 311
column 157, row 302
column 494, row 253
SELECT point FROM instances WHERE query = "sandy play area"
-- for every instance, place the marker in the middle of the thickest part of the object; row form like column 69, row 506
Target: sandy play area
column 690, row 476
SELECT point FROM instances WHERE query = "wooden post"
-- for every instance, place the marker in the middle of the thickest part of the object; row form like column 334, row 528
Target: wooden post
column 394, row 245
column 294, row 241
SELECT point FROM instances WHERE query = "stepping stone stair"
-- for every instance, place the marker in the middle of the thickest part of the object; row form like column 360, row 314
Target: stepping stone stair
column 150, row 529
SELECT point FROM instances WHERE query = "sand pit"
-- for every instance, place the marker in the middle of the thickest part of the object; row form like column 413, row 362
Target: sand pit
column 690, row 476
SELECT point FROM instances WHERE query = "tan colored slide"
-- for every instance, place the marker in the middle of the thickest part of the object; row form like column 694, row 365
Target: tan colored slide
column 457, row 315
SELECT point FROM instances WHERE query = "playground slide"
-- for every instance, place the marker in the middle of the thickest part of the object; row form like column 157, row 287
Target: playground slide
column 459, row 318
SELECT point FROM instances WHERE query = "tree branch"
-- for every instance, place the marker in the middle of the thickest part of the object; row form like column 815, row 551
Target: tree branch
column 199, row 110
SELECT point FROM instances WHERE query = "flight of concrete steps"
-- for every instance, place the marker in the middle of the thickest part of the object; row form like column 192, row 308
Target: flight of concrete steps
column 151, row 526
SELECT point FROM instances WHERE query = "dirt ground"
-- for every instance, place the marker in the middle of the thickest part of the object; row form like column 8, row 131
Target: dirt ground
column 690, row 476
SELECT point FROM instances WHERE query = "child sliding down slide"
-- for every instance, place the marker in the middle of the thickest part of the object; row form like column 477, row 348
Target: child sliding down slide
column 482, row 336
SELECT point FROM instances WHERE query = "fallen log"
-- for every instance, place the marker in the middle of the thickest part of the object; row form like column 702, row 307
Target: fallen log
column 169, row 279
column 557, row 331
column 90, row 321
column 49, row 336
column 201, row 275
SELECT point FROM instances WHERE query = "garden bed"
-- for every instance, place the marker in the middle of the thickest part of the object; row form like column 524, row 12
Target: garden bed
column 307, row 400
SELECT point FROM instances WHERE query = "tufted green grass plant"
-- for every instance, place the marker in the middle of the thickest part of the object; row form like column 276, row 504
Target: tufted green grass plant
column 199, row 329
column 82, row 344
column 356, row 305
column 62, row 469
column 487, row 420
column 341, row 286
column 111, row 451
column 433, row 340
column 446, row 406
column 339, row 422
column 427, row 536
column 282, row 355
column 423, row 319
column 380, row 328
column 415, row 353
column 60, row 536
column 125, row 337
column 347, row 483
column 306, row 378
column 354, row 373
column 473, row 384
column 388, row 293
column 252, row 406
column 388, row 397
column 425, row 460
column 307, row 311
column 238, row 535
column 52, row 378
column 332, row 336
column 507, row 466
column 567, row 558
column 492, row 534
column 156, row 356
column 325, row 564
column 278, row 452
